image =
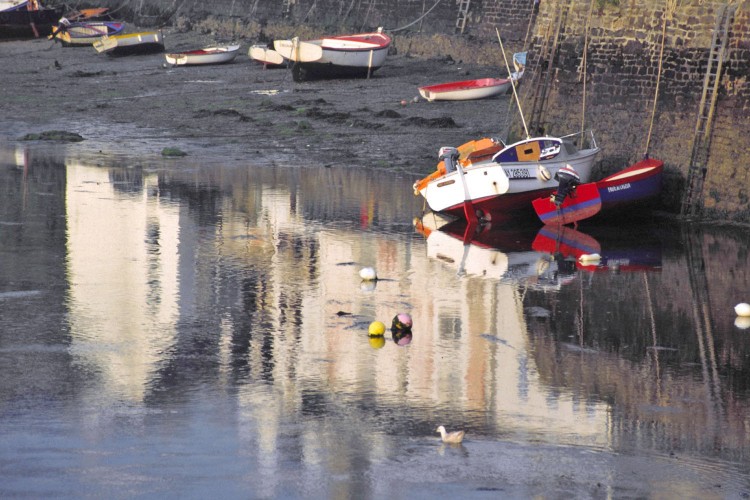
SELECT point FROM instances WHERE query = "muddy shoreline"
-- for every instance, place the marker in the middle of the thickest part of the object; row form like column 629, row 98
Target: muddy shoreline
column 241, row 111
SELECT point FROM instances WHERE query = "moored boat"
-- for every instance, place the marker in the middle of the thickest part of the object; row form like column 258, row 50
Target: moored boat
column 466, row 89
column 475, row 89
column 356, row 55
column 629, row 190
column 488, row 180
column 84, row 33
column 146, row 42
column 208, row 55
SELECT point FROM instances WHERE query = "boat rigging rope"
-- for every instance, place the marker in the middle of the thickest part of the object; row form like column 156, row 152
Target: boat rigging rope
column 584, row 62
column 414, row 22
column 668, row 13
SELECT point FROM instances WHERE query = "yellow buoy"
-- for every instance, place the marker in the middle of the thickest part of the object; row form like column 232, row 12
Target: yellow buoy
column 377, row 328
column 377, row 341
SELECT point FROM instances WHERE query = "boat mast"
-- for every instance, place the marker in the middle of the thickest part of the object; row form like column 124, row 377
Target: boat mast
column 512, row 84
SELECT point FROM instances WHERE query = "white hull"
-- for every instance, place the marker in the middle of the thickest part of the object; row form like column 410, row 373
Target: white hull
column 210, row 55
column 504, row 186
column 265, row 55
column 465, row 94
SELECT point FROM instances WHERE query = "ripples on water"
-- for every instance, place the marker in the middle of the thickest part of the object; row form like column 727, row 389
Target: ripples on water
column 208, row 325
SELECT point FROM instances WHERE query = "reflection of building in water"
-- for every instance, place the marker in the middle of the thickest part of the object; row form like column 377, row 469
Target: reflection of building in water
column 122, row 244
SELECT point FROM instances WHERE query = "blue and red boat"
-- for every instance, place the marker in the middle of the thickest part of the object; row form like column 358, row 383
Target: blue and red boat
column 630, row 189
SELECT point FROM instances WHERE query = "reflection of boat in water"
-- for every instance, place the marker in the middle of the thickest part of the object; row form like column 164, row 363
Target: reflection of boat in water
column 620, row 251
column 498, row 253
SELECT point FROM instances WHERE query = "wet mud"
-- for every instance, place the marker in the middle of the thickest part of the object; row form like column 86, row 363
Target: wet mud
column 242, row 109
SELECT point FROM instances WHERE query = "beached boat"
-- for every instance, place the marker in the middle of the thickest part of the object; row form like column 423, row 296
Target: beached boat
column 146, row 42
column 208, row 55
column 18, row 21
column 474, row 89
column 84, row 33
column 486, row 180
column 466, row 90
column 343, row 56
column 265, row 55
column 629, row 190
column 8, row 5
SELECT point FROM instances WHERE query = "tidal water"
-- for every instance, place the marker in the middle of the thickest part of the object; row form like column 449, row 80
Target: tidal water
column 176, row 328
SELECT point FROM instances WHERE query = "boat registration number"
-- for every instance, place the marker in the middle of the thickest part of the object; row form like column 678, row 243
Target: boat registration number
column 518, row 173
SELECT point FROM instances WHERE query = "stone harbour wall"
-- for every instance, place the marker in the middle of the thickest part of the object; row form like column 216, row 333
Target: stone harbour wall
column 624, row 49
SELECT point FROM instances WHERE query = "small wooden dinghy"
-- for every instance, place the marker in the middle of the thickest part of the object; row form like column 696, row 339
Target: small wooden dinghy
column 208, row 55
column 466, row 90
column 145, row 42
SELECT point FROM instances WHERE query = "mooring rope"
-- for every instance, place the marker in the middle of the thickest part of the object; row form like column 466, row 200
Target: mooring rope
column 670, row 8
column 414, row 22
column 584, row 63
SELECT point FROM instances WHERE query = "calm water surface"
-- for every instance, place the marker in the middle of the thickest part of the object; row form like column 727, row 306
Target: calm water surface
column 172, row 329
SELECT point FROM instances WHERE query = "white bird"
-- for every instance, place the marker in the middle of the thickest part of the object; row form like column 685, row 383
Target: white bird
column 742, row 309
column 454, row 437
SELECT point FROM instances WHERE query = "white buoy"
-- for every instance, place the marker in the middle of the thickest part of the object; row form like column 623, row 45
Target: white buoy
column 742, row 322
column 742, row 309
column 368, row 274
column 590, row 258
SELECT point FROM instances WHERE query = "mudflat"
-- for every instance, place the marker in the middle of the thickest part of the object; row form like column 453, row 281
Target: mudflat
column 239, row 111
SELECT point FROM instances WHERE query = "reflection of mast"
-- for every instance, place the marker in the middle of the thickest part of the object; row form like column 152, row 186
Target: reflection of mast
column 702, row 318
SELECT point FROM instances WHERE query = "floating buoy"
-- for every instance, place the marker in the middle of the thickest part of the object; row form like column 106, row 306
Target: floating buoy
column 377, row 328
column 403, row 102
column 368, row 274
column 742, row 309
column 742, row 322
column 401, row 322
column 590, row 258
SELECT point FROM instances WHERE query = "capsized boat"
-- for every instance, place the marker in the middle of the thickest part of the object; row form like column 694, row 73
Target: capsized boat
column 208, row 55
column 84, row 33
column 145, row 42
column 266, row 55
column 487, row 180
column 629, row 190
column 343, row 56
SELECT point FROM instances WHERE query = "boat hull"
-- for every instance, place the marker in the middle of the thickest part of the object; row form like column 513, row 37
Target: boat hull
column 20, row 23
column 635, row 186
column 150, row 42
column 85, row 34
column 209, row 55
column 466, row 90
column 347, row 56
column 500, row 191
column 629, row 190
column 268, row 57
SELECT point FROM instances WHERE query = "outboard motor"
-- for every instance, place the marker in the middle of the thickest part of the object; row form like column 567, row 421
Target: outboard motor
column 449, row 155
column 567, row 179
